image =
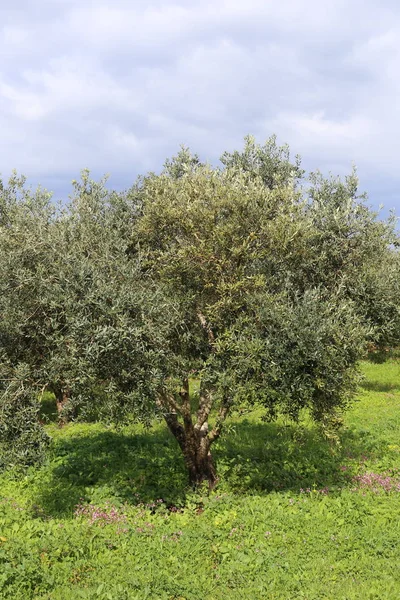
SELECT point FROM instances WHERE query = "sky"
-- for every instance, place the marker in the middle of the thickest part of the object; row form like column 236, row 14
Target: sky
column 118, row 86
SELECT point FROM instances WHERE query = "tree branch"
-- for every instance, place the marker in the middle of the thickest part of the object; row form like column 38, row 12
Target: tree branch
column 206, row 327
column 185, row 406
column 171, row 419
column 204, row 410
column 217, row 429
column 168, row 402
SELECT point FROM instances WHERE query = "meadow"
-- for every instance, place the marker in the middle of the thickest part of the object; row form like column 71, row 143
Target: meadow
column 294, row 516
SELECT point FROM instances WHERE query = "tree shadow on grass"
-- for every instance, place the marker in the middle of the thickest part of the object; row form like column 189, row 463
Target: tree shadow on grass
column 266, row 457
column 382, row 355
column 380, row 386
column 253, row 457
column 112, row 466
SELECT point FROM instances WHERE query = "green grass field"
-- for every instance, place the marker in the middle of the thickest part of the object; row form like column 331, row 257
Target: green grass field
column 294, row 517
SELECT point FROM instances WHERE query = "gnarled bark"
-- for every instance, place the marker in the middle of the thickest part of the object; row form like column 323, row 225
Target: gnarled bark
column 62, row 398
column 194, row 438
column 199, row 461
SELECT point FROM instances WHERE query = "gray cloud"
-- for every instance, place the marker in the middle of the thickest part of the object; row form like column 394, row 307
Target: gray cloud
column 118, row 86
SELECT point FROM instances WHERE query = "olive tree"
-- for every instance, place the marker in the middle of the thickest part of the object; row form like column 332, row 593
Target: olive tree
column 25, row 217
column 217, row 241
column 237, row 276
column 78, row 318
column 353, row 251
column 22, row 438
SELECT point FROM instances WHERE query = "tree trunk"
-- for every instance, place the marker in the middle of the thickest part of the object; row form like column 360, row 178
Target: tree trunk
column 194, row 439
column 199, row 462
column 195, row 444
column 62, row 398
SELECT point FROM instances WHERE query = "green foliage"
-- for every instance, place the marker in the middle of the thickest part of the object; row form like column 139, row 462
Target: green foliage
column 22, row 439
column 231, row 250
column 270, row 162
column 267, row 291
column 184, row 162
column 48, row 408
column 74, row 306
column 377, row 296
column 350, row 250
column 287, row 521
column 291, row 354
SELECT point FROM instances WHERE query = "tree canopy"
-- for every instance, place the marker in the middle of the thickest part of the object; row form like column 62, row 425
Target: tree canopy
column 261, row 285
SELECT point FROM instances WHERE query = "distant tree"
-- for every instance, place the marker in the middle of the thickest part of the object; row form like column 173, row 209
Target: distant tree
column 22, row 438
column 25, row 217
column 66, row 284
column 351, row 250
column 377, row 297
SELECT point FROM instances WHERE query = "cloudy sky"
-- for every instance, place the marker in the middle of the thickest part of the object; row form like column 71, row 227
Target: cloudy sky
column 117, row 86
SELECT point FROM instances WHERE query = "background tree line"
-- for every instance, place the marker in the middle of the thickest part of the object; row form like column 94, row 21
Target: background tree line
column 264, row 284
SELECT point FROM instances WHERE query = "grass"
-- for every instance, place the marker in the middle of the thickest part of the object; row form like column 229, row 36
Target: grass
column 109, row 516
